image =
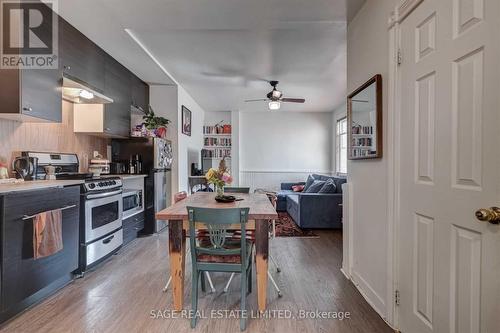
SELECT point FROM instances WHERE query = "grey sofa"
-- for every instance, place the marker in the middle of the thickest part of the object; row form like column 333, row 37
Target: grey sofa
column 313, row 210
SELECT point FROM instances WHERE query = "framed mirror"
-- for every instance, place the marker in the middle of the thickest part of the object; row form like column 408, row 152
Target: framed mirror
column 364, row 120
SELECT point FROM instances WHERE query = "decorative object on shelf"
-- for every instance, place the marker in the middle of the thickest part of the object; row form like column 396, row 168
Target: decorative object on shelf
column 219, row 178
column 186, row 121
column 364, row 120
column 153, row 125
column 4, row 173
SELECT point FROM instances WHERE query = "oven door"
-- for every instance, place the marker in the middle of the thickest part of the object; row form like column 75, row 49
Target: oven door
column 103, row 214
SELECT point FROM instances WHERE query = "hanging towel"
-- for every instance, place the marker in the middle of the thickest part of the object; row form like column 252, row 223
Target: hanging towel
column 47, row 233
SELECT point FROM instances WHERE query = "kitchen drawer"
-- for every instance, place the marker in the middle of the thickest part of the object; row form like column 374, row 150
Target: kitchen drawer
column 104, row 246
column 132, row 227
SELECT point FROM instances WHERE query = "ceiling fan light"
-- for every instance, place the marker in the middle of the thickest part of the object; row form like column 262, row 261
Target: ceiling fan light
column 276, row 94
column 274, row 105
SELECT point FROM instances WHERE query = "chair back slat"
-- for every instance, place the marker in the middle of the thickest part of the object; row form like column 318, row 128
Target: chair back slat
column 217, row 220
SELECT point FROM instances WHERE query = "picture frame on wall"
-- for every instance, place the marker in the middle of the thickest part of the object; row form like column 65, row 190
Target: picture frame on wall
column 186, row 121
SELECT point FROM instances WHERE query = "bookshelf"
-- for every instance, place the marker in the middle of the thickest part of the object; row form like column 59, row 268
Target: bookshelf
column 363, row 142
column 217, row 145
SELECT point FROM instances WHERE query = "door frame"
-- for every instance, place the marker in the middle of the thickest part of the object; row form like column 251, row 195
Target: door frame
column 396, row 17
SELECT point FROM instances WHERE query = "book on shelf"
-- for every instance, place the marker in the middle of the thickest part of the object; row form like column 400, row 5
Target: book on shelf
column 358, row 129
column 211, row 141
column 364, row 142
column 216, row 153
column 217, row 129
column 362, row 152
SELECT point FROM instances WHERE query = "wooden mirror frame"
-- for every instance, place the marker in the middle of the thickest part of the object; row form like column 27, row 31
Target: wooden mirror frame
column 379, row 137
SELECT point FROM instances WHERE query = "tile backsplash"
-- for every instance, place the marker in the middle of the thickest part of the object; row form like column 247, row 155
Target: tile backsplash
column 49, row 137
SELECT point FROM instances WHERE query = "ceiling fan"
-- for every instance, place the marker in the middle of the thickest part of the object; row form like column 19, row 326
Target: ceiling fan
column 275, row 98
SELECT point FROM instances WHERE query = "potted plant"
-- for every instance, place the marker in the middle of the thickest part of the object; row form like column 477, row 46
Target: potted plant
column 156, row 125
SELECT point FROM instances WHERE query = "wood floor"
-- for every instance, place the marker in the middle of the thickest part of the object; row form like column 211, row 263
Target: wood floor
column 120, row 295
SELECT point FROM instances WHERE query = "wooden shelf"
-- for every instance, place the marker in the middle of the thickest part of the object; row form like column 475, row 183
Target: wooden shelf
column 216, row 147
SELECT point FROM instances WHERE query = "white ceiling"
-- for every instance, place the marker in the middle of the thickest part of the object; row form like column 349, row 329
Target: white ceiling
column 221, row 51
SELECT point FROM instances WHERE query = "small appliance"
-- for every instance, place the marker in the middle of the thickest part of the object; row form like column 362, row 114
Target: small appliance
column 26, row 167
column 132, row 203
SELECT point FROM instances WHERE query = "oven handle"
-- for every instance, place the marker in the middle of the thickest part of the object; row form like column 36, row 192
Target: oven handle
column 103, row 195
column 109, row 239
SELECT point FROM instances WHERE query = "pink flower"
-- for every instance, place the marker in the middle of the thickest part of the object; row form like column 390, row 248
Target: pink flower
column 227, row 178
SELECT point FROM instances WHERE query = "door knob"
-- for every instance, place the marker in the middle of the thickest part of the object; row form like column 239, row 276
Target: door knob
column 491, row 215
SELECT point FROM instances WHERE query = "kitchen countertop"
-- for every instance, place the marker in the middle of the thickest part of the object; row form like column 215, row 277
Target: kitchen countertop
column 125, row 176
column 36, row 184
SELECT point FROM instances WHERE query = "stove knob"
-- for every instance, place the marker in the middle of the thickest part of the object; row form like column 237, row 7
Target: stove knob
column 100, row 184
column 91, row 186
column 114, row 182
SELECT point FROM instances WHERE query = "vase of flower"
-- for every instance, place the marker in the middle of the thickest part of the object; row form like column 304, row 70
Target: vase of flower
column 219, row 190
column 219, row 178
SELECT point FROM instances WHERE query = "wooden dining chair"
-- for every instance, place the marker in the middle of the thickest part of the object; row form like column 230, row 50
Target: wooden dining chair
column 179, row 196
column 251, row 236
column 219, row 252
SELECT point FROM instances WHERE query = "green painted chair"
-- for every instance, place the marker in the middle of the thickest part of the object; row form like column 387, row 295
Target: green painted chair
column 232, row 189
column 219, row 252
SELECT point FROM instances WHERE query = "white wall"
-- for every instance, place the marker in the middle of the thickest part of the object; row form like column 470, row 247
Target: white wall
column 163, row 100
column 367, row 55
column 214, row 117
column 167, row 101
column 283, row 146
column 189, row 146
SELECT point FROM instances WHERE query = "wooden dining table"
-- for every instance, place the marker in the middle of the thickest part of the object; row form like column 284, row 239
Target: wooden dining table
column 261, row 211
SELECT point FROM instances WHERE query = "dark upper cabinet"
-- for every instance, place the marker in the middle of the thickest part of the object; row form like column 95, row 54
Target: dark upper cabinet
column 118, row 87
column 80, row 58
column 140, row 93
column 31, row 94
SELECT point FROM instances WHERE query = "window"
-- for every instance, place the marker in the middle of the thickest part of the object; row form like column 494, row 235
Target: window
column 341, row 149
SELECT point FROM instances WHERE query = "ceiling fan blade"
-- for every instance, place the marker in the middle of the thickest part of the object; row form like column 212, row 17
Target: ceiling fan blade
column 256, row 100
column 292, row 100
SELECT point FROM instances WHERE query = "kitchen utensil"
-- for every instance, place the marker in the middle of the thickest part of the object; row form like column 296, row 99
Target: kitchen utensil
column 50, row 172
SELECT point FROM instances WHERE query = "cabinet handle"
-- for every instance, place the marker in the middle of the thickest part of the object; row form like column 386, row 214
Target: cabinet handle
column 27, row 217
column 29, row 109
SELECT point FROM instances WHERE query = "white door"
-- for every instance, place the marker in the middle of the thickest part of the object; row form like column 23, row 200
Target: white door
column 449, row 262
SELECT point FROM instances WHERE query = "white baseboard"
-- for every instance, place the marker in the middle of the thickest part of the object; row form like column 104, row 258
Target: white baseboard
column 376, row 302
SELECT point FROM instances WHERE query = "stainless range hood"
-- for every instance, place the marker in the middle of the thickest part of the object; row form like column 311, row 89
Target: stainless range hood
column 78, row 93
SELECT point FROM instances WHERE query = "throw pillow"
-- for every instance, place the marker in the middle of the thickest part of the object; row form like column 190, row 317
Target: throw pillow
column 309, row 181
column 329, row 187
column 298, row 188
column 315, row 186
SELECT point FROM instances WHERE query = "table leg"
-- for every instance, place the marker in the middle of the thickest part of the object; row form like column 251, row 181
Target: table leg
column 177, row 250
column 262, row 251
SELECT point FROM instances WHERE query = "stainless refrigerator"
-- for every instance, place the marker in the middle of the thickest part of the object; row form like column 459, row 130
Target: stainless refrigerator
column 156, row 158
